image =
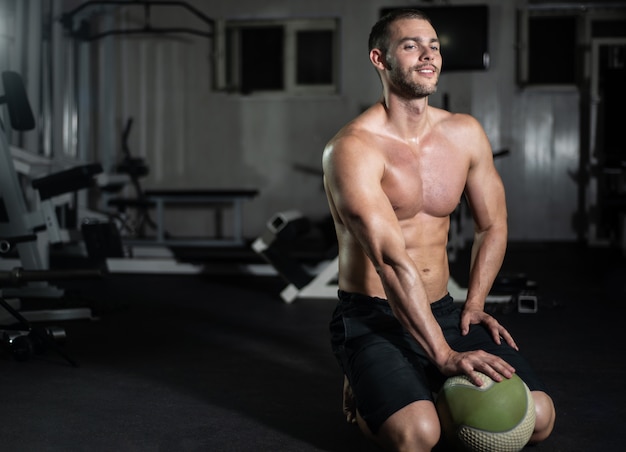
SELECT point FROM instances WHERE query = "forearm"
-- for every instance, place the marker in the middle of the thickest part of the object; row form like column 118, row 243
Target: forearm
column 488, row 252
column 409, row 302
column 383, row 242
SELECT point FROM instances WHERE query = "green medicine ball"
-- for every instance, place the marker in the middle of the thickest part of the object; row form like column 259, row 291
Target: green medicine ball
column 495, row 417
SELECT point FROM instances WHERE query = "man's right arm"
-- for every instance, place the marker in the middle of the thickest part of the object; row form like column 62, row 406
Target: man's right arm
column 353, row 175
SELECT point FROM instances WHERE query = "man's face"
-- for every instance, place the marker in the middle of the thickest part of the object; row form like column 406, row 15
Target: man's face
column 413, row 59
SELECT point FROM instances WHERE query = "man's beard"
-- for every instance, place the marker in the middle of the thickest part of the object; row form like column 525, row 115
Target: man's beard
column 403, row 85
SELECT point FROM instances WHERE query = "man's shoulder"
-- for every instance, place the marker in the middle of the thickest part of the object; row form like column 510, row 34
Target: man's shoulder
column 355, row 133
column 447, row 118
column 459, row 127
column 354, row 145
column 350, row 146
column 358, row 133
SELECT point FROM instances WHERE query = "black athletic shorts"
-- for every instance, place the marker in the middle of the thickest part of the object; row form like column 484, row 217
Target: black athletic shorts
column 385, row 365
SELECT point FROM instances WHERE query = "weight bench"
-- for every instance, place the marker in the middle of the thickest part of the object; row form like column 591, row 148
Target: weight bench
column 218, row 200
column 60, row 183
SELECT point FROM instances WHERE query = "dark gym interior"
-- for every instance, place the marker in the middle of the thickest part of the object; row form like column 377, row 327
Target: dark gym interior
column 166, row 255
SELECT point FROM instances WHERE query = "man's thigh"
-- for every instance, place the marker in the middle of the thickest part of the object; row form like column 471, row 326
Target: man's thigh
column 386, row 377
column 479, row 338
column 384, row 365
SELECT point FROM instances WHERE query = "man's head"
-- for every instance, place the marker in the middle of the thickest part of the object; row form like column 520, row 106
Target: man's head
column 381, row 31
column 405, row 50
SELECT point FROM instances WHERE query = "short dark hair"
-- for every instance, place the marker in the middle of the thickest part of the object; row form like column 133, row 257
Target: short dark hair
column 379, row 35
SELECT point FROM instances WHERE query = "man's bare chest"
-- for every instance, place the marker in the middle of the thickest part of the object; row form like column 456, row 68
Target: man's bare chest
column 426, row 182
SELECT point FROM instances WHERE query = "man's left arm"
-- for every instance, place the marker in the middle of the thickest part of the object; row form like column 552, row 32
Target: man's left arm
column 485, row 194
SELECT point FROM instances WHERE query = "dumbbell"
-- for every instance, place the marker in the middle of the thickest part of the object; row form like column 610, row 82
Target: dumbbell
column 23, row 345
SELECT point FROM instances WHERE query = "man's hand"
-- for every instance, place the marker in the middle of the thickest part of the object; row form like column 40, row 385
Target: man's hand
column 475, row 316
column 468, row 363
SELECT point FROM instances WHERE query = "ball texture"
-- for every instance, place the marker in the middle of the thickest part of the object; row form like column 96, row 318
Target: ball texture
column 494, row 417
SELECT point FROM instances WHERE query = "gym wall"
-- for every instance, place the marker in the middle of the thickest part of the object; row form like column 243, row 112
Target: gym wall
column 195, row 137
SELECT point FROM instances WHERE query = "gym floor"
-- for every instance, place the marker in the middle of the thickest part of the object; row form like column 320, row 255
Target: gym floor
column 218, row 363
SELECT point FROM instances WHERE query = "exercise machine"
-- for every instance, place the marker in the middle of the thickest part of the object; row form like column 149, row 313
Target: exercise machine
column 320, row 282
column 19, row 336
column 275, row 246
column 29, row 232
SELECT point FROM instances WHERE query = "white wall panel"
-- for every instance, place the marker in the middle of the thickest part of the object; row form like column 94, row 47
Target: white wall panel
column 193, row 137
column 541, row 193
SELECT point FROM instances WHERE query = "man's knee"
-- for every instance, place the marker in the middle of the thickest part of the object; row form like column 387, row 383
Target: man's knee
column 545, row 416
column 414, row 427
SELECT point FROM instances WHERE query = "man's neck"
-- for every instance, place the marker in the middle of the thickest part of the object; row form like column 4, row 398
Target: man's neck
column 407, row 118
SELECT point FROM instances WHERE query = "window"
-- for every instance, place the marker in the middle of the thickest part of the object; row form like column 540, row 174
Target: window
column 552, row 48
column 279, row 56
column 548, row 49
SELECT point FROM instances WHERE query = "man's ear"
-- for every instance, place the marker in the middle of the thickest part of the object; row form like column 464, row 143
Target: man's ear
column 377, row 57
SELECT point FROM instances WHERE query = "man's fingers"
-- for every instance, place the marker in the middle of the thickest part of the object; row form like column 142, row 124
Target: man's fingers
column 476, row 379
column 495, row 368
column 492, row 373
column 508, row 338
column 465, row 323
column 499, row 333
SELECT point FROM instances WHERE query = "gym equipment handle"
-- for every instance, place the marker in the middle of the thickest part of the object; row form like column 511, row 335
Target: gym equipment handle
column 19, row 276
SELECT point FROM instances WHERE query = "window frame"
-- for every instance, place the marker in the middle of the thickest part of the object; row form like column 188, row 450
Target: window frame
column 228, row 60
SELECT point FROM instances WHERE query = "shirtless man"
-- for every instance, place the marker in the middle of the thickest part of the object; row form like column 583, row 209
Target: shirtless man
column 392, row 177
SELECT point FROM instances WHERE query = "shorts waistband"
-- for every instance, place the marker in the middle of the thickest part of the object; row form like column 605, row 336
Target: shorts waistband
column 439, row 306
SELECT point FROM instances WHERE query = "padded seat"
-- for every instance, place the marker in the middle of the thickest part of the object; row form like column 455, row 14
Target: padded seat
column 66, row 181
